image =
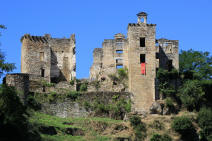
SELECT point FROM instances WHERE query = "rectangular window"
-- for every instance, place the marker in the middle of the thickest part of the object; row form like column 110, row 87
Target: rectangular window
column 42, row 72
column 157, row 55
column 119, row 51
column 119, row 66
column 142, row 58
column 142, row 42
column 41, row 56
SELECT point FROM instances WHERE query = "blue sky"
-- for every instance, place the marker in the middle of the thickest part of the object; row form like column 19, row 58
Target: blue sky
column 189, row 21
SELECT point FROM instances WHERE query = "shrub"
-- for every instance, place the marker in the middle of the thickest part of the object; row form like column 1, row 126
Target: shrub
column 113, row 77
column 83, row 87
column 138, row 127
column 205, row 122
column 182, row 125
column 158, row 137
column 122, row 74
column 87, row 105
column 72, row 82
column 96, row 84
column 157, row 125
column 191, row 94
column 73, row 95
column 52, row 97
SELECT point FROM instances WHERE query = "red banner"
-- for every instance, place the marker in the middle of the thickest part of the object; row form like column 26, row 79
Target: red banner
column 143, row 68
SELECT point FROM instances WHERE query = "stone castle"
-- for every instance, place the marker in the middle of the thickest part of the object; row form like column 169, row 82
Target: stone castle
column 53, row 60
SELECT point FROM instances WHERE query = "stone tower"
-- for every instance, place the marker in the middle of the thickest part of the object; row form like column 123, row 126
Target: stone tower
column 141, row 55
column 53, row 59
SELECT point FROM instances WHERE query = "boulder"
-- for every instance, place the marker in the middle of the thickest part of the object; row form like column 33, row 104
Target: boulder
column 156, row 108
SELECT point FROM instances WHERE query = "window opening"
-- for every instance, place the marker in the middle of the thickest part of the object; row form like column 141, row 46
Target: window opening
column 157, row 55
column 119, row 51
column 41, row 56
column 142, row 42
column 119, row 66
column 42, row 72
column 143, row 64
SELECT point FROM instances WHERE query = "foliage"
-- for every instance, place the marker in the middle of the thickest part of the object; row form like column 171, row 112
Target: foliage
column 197, row 62
column 138, row 127
column 96, row 84
column 184, row 126
column 166, row 79
column 72, row 82
column 156, row 124
column 113, row 77
column 14, row 123
column 4, row 66
column 47, row 84
column 205, row 122
column 73, row 95
column 83, row 86
column 32, row 102
column 191, row 94
column 52, row 97
column 122, row 74
column 158, row 137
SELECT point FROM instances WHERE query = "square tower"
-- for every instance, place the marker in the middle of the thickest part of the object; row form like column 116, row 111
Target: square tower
column 141, row 63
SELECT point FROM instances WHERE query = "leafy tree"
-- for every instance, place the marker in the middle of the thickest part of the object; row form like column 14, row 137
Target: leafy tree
column 196, row 63
column 4, row 66
column 191, row 94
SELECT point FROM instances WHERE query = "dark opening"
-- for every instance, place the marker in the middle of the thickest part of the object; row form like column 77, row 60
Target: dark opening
column 142, row 58
column 169, row 65
column 42, row 72
column 119, row 66
column 44, row 89
column 157, row 71
column 119, row 51
column 157, row 55
column 142, row 42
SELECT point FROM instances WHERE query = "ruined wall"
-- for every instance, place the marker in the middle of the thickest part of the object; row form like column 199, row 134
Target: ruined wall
column 21, row 82
column 168, row 51
column 109, row 58
column 52, row 58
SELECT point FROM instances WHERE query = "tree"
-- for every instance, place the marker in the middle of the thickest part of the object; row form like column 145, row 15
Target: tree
column 4, row 66
column 196, row 63
column 191, row 94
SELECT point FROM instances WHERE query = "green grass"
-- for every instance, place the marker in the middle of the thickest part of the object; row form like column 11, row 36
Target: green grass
column 85, row 124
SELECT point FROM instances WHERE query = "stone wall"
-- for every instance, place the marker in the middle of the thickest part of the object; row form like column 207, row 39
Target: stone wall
column 21, row 82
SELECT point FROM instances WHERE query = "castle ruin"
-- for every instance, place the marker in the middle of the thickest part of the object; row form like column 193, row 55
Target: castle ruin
column 53, row 59
column 142, row 54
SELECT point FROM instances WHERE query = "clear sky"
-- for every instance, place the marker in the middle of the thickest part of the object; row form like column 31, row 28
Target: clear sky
column 189, row 21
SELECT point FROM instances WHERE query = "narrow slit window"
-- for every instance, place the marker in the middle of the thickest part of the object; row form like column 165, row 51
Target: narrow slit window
column 142, row 42
column 41, row 56
column 119, row 51
column 42, row 72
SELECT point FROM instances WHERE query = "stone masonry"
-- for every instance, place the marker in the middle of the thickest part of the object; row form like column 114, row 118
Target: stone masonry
column 51, row 58
column 139, row 48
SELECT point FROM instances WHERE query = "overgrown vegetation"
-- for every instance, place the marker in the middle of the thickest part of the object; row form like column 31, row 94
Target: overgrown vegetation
column 158, row 137
column 120, row 77
column 138, row 127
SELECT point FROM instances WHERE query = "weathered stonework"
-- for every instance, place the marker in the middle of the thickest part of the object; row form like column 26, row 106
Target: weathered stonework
column 139, row 48
column 21, row 82
column 51, row 58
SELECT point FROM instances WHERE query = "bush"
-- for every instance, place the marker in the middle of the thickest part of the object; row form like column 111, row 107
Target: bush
column 191, row 94
column 122, row 74
column 138, row 127
column 157, row 125
column 52, row 97
column 72, row 82
column 157, row 137
column 184, row 126
column 83, row 87
column 73, row 95
column 205, row 122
